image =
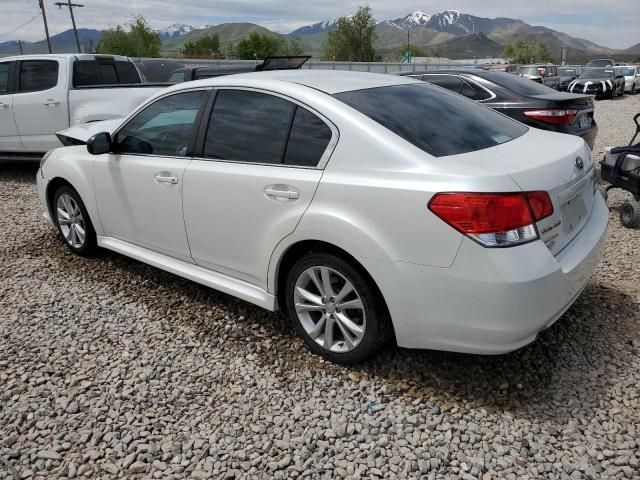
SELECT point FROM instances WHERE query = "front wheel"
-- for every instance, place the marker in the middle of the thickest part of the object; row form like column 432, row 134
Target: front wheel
column 73, row 222
column 335, row 309
column 630, row 214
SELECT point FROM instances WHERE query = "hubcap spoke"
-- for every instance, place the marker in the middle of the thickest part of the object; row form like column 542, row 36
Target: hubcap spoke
column 347, row 336
column 328, row 333
column 326, row 281
column 350, row 305
column 347, row 288
column 310, row 297
column 348, row 323
column 306, row 307
column 313, row 275
column 63, row 215
column 318, row 329
column 70, row 221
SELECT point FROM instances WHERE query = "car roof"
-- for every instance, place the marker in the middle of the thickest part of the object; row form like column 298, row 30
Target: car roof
column 327, row 81
column 77, row 56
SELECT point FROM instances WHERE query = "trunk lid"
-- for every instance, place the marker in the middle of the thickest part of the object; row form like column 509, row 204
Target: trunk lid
column 570, row 101
column 559, row 164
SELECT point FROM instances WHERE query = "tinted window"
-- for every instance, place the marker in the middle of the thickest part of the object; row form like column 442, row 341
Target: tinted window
column 4, row 77
column 37, row 75
column 517, row 84
column 445, row 81
column 597, row 73
column 89, row 73
column 165, row 127
column 177, row 77
column 248, row 127
column 628, row 71
column 605, row 62
column 440, row 123
column 308, row 140
column 473, row 91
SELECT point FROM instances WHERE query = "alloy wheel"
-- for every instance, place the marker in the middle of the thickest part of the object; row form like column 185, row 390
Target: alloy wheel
column 71, row 221
column 330, row 309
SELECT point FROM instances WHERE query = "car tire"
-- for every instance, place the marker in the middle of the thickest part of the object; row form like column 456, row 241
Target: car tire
column 73, row 222
column 318, row 311
column 630, row 214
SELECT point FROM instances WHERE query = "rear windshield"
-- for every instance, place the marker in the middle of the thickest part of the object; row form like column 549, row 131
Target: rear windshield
column 628, row 71
column 433, row 119
column 537, row 71
column 95, row 73
column 568, row 72
column 605, row 62
column 521, row 86
column 597, row 73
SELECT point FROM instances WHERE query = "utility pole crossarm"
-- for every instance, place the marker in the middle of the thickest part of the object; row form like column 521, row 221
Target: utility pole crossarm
column 73, row 19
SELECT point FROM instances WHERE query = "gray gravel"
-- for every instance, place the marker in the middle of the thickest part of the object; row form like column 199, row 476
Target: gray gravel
column 111, row 369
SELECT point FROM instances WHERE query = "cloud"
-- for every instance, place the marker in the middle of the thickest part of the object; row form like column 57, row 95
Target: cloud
column 592, row 19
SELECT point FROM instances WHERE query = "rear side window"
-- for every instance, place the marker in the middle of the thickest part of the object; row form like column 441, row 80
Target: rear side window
column 260, row 128
column 440, row 123
column 38, row 75
column 308, row 140
column 4, row 77
column 521, row 86
column 177, row 77
column 95, row 73
column 449, row 82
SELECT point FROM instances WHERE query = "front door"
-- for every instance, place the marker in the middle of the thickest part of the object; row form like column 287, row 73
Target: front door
column 259, row 169
column 139, row 186
column 9, row 139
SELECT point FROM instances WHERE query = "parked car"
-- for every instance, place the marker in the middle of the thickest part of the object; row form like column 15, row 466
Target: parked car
column 528, row 102
column 601, row 63
column 600, row 82
column 544, row 74
column 364, row 205
column 567, row 75
column 42, row 94
column 188, row 74
column 631, row 78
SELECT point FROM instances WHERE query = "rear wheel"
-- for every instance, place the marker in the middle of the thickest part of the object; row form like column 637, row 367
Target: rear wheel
column 73, row 221
column 630, row 214
column 335, row 309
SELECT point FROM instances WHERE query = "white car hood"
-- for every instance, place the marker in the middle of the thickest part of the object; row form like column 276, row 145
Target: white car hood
column 82, row 133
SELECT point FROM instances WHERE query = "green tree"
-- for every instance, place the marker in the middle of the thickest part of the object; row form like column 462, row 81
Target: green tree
column 292, row 46
column 259, row 46
column 352, row 38
column 523, row 52
column 206, row 45
column 136, row 39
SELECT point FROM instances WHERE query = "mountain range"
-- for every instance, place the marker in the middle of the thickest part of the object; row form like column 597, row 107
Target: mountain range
column 450, row 33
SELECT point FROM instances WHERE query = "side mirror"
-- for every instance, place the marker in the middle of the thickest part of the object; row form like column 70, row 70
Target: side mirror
column 100, row 143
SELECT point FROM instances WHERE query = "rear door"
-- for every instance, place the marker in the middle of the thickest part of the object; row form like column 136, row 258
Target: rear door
column 260, row 163
column 40, row 102
column 9, row 139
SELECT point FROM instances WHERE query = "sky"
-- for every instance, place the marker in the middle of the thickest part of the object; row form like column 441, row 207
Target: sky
column 611, row 23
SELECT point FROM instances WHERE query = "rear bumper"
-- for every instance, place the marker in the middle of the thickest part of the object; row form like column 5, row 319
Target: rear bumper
column 589, row 135
column 490, row 301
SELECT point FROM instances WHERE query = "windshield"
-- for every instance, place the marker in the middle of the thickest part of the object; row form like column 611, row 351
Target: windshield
column 568, row 72
column 628, row 71
column 433, row 119
column 593, row 73
column 605, row 62
column 520, row 85
column 535, row 71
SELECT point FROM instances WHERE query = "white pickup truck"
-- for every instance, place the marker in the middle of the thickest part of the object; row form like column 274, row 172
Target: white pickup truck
column 43, row 94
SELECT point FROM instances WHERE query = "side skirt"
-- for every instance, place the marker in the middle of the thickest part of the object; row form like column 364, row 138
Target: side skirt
column 237, row 288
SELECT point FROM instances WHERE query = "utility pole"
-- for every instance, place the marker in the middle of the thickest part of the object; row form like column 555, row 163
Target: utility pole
column 73, row 19
column 20, row 45
column 46, row 26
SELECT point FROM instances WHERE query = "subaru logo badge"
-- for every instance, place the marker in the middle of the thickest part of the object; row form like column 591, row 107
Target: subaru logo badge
column 579, row 163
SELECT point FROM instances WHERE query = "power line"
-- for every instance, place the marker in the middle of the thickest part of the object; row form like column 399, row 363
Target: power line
column 73, row 20
column 23, row 25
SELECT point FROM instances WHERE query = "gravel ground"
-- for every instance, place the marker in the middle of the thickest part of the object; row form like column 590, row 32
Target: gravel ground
column 111, row 369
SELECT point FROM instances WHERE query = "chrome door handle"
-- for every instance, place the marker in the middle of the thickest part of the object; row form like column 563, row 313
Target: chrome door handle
column 281, row 192
column 51, row 102
column 166, row 178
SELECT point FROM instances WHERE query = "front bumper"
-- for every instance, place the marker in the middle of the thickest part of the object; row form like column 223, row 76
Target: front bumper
column 42, row 195
column 490, row 301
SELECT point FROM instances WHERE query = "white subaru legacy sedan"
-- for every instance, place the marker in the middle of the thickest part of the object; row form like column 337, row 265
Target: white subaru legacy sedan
column 368, row 207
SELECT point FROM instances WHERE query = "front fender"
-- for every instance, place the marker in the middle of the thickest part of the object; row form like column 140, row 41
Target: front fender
column 73, row 165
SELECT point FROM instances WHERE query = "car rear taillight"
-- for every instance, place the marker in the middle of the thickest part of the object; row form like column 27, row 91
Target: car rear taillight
column 494, row 219
column 557, row 117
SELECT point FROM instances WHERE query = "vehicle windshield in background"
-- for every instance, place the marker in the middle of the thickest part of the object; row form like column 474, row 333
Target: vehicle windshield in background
column 595, row 73
column 567, row 72
column 520, row 85
column 535, row 71
column 628, row 71
column 600, row 63
column 433, row 119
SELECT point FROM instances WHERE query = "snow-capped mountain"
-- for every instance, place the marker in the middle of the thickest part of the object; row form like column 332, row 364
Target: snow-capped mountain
column 319, row 27
column 415, row 19
column 175, row 30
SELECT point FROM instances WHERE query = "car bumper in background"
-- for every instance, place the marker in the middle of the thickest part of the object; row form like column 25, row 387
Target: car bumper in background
column 490, row 301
